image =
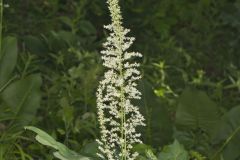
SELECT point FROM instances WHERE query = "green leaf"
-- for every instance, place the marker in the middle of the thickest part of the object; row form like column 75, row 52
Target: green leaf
column 90, row 149
column 150, row 155
column 55, row 42
column 197, row 110
column 228, row 131
column 158, row 130
column 62, row 152
column 23, row 99
column 143, row 150
column 8, row 60
column 67, row 21
column 87, row 28
column 68, row 37
column 35, row 45
column 174, row 151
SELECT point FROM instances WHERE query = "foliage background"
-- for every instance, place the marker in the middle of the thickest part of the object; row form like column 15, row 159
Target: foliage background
column 191, row 73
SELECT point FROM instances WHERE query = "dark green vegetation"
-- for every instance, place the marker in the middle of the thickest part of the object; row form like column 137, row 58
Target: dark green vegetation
column 50, row 67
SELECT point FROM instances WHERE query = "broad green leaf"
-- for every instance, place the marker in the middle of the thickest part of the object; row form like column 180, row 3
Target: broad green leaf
column 55, row 42
column 35, row 45
column 62, row 152
column 87, row 28
column 68, row 37
column 159, row 126
column 23, row 99
column 67, row 21
column 8, row 59
column 19, row 103
column 90, row 149
column 197, row 110
column 174, row 151
column 229, row 130
column 143, row 150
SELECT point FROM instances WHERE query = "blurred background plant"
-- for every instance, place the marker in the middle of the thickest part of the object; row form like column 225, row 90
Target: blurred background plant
column 50, row 68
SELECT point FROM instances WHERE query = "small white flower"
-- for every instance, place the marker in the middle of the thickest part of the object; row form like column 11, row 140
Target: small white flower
column 118, row 117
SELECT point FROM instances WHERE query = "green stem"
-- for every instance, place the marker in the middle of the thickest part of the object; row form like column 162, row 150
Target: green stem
column 27, row 63
column 123, row 118
column 122, row 99
column 1, row 26
column 118, row 30
column 225, row 143
column 6, row 84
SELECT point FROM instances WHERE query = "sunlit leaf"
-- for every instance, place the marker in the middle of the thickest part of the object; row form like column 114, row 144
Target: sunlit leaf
column 174, row 151
column 62, row 152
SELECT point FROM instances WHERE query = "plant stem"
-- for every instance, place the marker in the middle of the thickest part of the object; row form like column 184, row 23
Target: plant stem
column 7, row 83
column 123, row 114
column 122, row 98
column 226, row 142
column 1, row 26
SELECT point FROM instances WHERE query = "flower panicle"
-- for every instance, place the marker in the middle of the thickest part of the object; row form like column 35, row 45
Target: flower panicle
column 118, row 116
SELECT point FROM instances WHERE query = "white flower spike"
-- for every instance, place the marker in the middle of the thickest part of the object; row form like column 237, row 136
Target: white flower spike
column 118, row 116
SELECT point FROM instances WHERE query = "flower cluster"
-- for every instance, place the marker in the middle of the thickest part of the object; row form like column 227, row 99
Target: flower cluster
column 118, row 116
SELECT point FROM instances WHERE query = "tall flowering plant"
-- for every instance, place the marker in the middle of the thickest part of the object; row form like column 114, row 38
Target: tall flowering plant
column 118, row 116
